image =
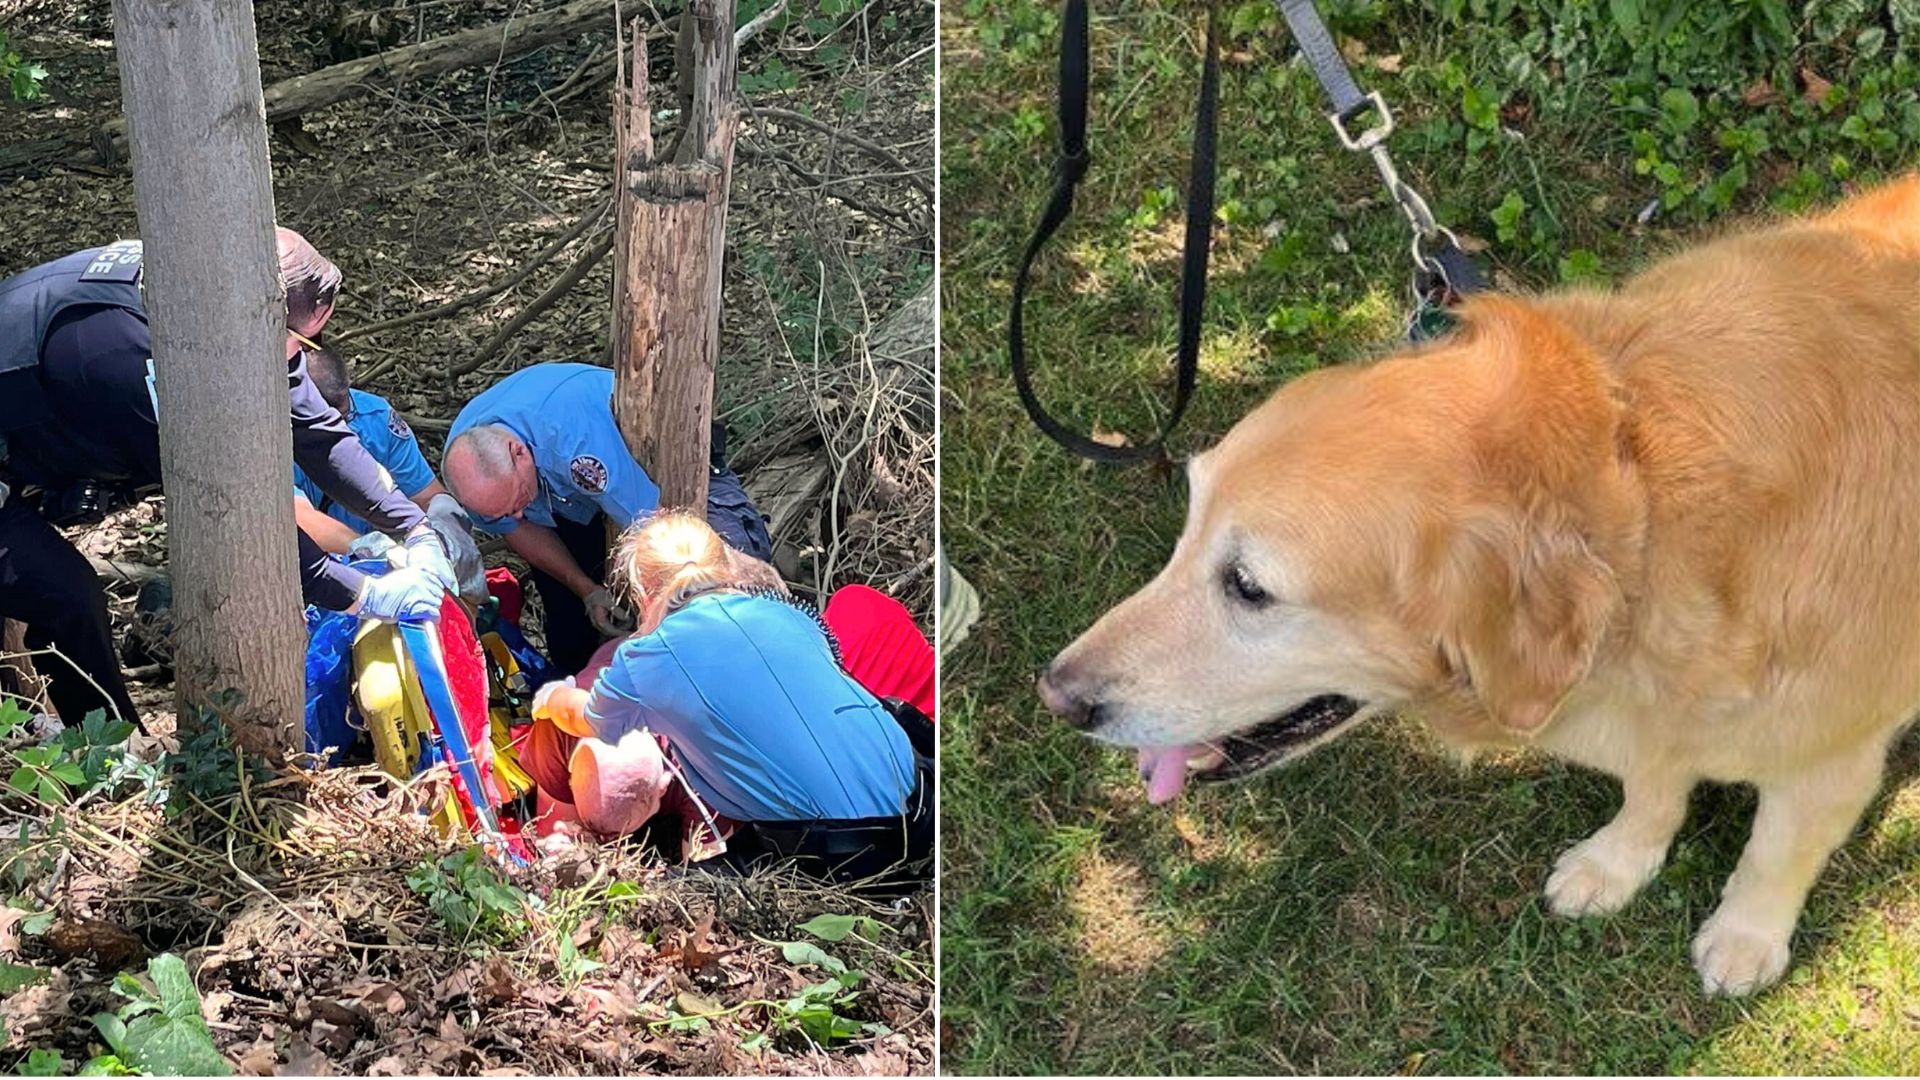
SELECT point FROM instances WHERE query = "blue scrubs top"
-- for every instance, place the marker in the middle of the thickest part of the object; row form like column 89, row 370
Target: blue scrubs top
column 763, row 721
column 564, row 413
column 388, row 438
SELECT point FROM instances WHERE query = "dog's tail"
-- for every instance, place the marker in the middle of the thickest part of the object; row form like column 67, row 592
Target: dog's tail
column 1887, row 216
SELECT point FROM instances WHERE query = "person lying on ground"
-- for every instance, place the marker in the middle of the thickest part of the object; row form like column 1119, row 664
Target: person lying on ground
column 81, row 429
column 539, row 459
column 792, row 756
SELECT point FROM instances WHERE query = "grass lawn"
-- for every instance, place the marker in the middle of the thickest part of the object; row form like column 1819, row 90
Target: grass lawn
column 1376, row 907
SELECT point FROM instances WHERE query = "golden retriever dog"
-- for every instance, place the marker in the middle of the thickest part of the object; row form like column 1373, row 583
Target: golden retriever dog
column 1670, row 531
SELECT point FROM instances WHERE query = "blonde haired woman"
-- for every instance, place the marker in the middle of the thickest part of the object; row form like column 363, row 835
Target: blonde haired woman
column 746, row 686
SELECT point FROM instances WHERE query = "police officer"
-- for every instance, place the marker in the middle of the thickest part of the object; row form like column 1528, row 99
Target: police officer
column 81, row 432
column 539, row 458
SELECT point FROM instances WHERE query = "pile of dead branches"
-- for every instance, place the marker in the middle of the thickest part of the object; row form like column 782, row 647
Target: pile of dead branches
column 330, row 929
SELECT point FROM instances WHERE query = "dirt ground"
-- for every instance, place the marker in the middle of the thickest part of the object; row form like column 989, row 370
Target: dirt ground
column 322, row 957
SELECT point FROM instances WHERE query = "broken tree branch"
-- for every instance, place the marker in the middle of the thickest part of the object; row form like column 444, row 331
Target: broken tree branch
column 586, row 222
column 130, row 573
column 544, row 301
column 759, row 23
column 343, row 82
column 872, row 149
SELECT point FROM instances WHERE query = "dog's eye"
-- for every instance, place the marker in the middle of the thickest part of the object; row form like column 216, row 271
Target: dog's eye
column 1241, row 586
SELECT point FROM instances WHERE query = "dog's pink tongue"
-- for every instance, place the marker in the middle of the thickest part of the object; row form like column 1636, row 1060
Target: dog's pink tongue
column 1164, row 768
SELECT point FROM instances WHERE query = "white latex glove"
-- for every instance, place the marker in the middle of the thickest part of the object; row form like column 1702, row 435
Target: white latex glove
column 450, row 520
column 606, row 614
column 410, row 595
column 375, row 545
column 426, row 553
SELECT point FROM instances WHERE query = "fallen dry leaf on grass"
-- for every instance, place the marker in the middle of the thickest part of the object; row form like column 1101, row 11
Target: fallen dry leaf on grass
column 498, row 982
column 695, row 953
column 260, row 1059
column 1760, row 94
column 304, row 1060
column 1816, row 89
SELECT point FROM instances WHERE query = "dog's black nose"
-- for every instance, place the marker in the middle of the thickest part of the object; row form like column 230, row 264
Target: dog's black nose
column 1078, row 711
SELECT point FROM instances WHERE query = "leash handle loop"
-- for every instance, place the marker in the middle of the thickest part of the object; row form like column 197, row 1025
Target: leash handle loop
column 1070, row 167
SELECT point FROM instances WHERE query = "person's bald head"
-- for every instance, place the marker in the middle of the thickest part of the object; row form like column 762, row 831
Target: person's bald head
column 491, row 471
column 311, row 282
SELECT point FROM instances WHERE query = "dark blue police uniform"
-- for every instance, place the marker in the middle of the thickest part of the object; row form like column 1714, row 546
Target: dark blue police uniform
column 76, row 373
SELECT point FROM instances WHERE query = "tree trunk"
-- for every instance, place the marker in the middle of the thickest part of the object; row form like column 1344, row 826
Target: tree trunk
column 500, row 41
column 190, row 87
column 670, row 237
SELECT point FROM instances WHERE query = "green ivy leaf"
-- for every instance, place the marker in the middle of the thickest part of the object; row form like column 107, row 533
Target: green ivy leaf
column 12, row 715
column 1626, row 14
column 829, row 927
column 1680, row 109
column 174, row 1041
column 1506, row 217
column 806, row 952
column 113, row 1030
column 837, row 927
column 15, row 977
column 44, row 1063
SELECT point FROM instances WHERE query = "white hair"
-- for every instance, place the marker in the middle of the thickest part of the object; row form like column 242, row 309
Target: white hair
column 491, row 449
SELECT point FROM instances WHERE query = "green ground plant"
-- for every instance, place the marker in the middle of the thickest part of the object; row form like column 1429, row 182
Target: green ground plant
column 22, row 76
column 1376, row 907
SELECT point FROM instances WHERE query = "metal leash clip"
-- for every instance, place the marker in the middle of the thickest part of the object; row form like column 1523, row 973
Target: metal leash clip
column 1413, row 205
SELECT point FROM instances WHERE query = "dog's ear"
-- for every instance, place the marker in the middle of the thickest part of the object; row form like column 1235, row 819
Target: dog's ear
column 1523, row 605
column 1521, row 602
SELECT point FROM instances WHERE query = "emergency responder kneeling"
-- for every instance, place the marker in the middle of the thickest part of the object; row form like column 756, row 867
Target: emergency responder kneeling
column 80, row 434
column 539, row 459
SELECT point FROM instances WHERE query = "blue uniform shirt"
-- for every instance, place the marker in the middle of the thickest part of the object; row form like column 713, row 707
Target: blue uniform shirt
column 763, row 721
column 388, row 438
column 564, row 413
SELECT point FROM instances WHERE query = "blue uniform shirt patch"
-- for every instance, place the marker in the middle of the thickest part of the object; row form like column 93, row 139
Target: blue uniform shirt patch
column 589, row 474
column 398, row 426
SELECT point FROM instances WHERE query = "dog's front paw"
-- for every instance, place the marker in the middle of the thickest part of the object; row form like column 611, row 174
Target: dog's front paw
column 1736, row 958
column 1594, row 877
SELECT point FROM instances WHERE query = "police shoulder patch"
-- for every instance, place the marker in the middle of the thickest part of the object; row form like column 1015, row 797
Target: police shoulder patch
column 589, row 474
column 118, row 262
column 398, row 425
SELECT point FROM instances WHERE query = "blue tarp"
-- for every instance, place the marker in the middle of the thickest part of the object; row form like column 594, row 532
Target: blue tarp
column 331, row 725
column 330, row 675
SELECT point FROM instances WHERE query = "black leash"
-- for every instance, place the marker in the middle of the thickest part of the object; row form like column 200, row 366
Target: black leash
column 1443, row 272
column 1069, row 168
